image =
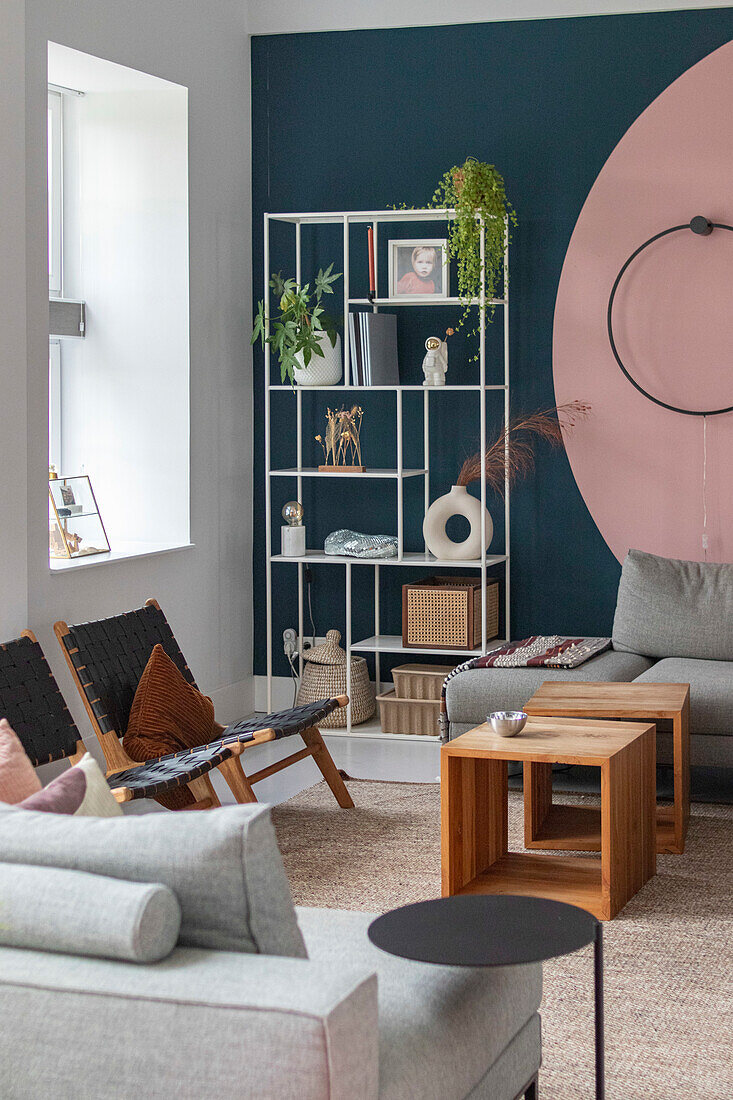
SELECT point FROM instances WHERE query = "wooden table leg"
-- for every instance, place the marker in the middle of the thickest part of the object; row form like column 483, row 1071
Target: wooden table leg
column 537, row 798
column 681, row 746
column 628, row 822
column 473, row 814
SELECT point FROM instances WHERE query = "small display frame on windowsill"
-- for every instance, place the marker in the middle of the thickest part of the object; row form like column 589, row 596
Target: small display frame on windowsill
column 75, row 527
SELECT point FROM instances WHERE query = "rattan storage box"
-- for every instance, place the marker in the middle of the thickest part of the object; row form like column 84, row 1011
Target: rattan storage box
column 445, row 612
column 420, row 681
column 415, row 716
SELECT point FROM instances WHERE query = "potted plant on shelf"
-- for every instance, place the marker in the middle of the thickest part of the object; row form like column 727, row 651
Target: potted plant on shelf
column 475, row 190
column 303, row 337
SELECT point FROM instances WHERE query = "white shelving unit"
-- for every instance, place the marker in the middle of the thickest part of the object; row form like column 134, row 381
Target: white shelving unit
column 380, row 643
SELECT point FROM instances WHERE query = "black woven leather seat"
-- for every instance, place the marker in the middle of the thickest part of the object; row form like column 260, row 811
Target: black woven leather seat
column 107, row 659
column 167, row 772
column 284, row 723
column 110, row 655
column 33, row 705
column 31, row 701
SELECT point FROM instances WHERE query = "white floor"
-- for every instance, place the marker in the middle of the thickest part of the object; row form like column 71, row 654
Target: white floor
column 360, row 757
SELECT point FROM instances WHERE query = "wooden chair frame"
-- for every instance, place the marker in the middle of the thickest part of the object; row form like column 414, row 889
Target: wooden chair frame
column 239, row 783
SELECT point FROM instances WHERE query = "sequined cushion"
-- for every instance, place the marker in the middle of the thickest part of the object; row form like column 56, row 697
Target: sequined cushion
column 353, row 544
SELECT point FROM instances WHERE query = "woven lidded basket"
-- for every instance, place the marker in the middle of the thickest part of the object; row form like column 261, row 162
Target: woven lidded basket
column 324, row 677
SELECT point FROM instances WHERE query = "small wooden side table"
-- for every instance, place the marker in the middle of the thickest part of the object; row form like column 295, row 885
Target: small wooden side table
column 474, row 805
column 571, row 699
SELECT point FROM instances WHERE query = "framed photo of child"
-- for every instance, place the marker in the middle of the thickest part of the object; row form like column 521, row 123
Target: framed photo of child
column 418, row 270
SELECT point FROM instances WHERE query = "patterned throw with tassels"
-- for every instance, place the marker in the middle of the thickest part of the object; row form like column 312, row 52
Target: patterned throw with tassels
column 537, row 651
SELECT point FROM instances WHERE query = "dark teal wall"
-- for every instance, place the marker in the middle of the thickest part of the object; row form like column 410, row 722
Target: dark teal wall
column 367, row 119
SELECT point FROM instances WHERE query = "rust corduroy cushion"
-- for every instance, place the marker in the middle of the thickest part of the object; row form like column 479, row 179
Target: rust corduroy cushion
column 167, row 714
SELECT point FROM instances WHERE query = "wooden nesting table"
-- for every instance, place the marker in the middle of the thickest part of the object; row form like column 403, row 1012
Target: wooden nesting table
column 571, row 699
column 474, row 803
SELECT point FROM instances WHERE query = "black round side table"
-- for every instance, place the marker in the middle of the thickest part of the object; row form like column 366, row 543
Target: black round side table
column 495, row 930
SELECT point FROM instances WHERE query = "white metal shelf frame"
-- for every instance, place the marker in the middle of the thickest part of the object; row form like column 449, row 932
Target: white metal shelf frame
column 379, row 643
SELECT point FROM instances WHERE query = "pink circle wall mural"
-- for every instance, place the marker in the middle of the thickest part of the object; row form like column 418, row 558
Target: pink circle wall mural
column 653, row 479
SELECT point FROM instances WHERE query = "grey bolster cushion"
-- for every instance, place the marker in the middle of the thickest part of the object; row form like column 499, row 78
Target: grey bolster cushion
column 223, row 866
column 49, row 909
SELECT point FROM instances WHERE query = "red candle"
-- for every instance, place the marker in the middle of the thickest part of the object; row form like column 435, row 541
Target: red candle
column 370, row 244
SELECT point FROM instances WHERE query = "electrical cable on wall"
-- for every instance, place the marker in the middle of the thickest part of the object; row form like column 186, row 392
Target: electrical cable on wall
column 291, row 655
column 294, row 675
column 703, row 227
column 705, row 486
column 309, row 585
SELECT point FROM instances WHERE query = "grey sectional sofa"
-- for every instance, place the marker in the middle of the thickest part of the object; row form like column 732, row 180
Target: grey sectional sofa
column 216, row 986
column 673, row 623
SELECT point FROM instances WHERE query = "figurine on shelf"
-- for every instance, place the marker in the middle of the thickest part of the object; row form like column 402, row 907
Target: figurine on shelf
column 435, row 363
column 56, row 544
column 74, row 543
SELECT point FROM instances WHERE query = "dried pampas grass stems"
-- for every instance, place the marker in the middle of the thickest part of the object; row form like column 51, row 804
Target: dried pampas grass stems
column 514, row 448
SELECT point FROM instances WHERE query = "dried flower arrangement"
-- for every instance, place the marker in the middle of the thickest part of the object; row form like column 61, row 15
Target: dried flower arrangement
column 513, row 450
column 341, row 444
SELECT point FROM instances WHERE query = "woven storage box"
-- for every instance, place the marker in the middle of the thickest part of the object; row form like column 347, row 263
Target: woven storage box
column 324, row 677
column 445, row 612
column 419, row 681
column 415, row 716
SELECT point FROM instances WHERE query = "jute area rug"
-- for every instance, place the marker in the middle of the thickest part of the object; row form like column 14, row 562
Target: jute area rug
column 668, row 954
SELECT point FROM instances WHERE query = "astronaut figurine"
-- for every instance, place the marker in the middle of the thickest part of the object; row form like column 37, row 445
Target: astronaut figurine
column 435, row 363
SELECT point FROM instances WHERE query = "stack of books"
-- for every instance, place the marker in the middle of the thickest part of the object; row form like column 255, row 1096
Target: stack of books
column 373, row 343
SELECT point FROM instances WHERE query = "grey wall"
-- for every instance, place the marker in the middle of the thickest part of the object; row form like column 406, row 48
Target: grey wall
column 13, row 507
column 207, row 590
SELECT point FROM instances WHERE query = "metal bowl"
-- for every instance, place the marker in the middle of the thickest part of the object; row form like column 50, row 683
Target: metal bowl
column 507, row 723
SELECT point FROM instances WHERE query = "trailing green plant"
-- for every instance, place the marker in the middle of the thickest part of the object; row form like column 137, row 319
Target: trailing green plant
column 475, row 191
column 296, row 327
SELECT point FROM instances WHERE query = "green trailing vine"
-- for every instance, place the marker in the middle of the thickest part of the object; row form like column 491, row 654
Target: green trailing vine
column 476, row 191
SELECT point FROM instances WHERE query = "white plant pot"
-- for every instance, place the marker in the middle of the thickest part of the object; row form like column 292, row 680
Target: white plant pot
column 458, row 502
column 324, row 371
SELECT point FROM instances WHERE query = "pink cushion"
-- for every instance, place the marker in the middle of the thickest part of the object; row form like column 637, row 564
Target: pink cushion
column 63, row 795
column 82, row 791
column 18, row 779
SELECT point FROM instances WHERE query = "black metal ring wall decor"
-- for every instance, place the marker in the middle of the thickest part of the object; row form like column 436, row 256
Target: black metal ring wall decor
column 703, row 227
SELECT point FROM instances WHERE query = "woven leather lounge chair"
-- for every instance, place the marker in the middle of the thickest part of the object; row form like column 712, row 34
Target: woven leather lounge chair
column 33, row 705
column 107, row 659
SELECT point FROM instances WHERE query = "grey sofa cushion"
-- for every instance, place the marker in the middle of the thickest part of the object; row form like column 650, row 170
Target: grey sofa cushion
column 440, row 1028
column 670, row 608
column 199, row 1023
column 474, row 694
column 711, row 691
column 223, row 865
column 57, row 910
